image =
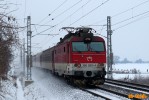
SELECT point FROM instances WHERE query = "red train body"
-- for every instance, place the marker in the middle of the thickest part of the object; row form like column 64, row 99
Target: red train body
column 80, row 57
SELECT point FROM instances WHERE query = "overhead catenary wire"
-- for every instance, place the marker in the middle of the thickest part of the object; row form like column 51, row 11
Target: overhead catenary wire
column 78, row 19
column 59, row 6
column 75, row 11
column 127, row 19
column 129, row 9
column 49, row 39
column 90, row 12
column 131, row 18
column 130, row 23
column 53, row 35
column 58, row 16
column 9, row 12
column 65, row 11
column 40, row 25
column 43, row 31
column 13, row 27
column 53, row 11
column 35, row 28
column 115, row 15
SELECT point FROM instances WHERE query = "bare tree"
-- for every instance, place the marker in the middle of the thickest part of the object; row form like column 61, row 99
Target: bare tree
column 8, row 39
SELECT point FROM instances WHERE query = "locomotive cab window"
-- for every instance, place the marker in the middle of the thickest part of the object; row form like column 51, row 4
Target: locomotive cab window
column 96, row 46
column 92, row 46
column 79, row 46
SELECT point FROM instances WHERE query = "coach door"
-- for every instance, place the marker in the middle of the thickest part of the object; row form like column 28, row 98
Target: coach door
column 53, row 65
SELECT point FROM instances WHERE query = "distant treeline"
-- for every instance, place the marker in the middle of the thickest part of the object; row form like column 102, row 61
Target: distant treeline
column 116, row 59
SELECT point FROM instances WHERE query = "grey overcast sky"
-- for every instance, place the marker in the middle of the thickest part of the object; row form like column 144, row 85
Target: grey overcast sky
column 130, row 22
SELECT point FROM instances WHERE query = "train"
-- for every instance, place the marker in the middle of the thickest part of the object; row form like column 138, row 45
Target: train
column 79, row 57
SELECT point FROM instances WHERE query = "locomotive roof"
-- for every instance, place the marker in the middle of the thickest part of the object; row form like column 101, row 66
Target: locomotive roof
column 76, row 32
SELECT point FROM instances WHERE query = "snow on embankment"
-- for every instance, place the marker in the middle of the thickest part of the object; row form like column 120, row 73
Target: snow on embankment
column 7, row 91
column 49, row 87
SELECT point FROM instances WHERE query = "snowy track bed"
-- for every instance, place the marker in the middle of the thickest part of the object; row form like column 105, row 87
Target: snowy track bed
column 49, row 87
column 46, row 86
column 101, row 95
column 106, row 93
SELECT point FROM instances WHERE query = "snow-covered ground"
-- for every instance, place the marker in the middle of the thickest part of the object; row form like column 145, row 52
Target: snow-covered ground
column 8, row 91
column 49, row 87
column 142, row 69
column 130, row 66
column 45, row 87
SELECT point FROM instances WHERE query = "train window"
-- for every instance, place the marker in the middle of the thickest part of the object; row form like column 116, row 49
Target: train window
column 64, row 49
column 96, row 46
column 92, row 46
column 79, row 46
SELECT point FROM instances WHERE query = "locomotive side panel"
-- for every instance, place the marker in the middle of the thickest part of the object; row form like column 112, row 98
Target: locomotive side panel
column 61, row 57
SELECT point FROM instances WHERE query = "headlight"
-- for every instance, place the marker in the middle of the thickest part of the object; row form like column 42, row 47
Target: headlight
column 77, row 65
column 100, row 65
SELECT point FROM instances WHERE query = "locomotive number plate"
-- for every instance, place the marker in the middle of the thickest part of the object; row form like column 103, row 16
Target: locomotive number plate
column 91, row 65
column 88, row 65
column 84, row 65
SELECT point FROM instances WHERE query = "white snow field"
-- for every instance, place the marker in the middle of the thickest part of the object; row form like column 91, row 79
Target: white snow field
column 142, row 69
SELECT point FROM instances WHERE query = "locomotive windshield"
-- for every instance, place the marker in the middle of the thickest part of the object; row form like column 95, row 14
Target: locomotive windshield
column 92, row 46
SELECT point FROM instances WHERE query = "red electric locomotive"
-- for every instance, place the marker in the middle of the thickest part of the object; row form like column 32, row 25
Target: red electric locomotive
column 80, row 57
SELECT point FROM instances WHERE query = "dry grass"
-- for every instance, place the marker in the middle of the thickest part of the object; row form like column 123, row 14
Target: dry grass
column 138, row 79
column 141, row 80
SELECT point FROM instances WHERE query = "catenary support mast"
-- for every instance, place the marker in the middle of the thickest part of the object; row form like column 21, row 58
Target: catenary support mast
column 109, row 46
column 23, row 56
column 29, row 56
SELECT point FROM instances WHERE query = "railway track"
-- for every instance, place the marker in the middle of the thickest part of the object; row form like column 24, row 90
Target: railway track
column 121, row 89
column 95, row 94
column 138, row 91
column 117, row 93
column 108, row 92
column 140, row 87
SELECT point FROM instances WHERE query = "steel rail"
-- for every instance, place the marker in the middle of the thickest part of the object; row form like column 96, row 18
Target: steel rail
column 129, row 85
column 137, row 84
column 95, row 94
column 117, row 93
